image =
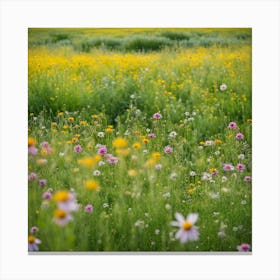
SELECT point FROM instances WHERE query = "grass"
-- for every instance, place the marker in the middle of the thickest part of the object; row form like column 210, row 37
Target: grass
column 83, row 82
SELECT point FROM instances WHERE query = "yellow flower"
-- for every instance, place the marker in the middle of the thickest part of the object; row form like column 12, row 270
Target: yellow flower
column 31, row 141
column 60, row 114
column 69, row 142
column 123, row 152
column 60, row 214
column 53, row 124
column 92, row 185
column 150, row 162
column 136, row 145
column 119, row 143
column 132, row 172
column 109, row 130
column 190, row 191
column 41, row 161
column 61, row 196
column 218, row 142
column 145, row 140
column 70, row 119
column 89, row 161
column 156, row 156
column 191, row 185
column 201, row 143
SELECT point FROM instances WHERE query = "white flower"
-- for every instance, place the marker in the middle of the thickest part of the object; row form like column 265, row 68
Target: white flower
column 173, row 176
column 217, row 153
column 158, row 166
column 194, row 113
column 223, row 87
column 187, row 114
column 241, row 156
column 61, row 154
column 101, row 163
column 192, row 173
column 62, row 217
column 200, row 148
column 187, row 230
column 126, row 133
column 224, row 179
column 172, row 134
column 139, row 223
column 209, row 143
column 100, row 134
column 167, row 206
column 157, row 231
column 105, row 205
column 206, row 176
column 190, row 119
column 96, row 173
column 167, row 195
column 33, row 243
column 221, row 234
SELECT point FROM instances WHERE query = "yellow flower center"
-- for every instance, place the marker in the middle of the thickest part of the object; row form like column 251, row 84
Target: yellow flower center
column 31, row 141
column 31, row 239
column 187, row 225
column 60, row 214
column 61, row 196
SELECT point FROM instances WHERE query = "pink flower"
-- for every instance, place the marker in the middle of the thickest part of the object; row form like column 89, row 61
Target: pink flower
column 239, row 136
column 228, row 167
column 78, row 149
column 187, row 229
column 112, row 160
column 151, row 135
column 240, row 166
column 34, row 229
column 243, row 247
column 157, row 116
column 32, row 150
column 47, row 195
column 88, row 208
column 247, row 179
column 70, row 204
column 45, row 144
column 232, row 125
column 42, row 182
column 32, row 176
column 168, row 150
column 102, row 150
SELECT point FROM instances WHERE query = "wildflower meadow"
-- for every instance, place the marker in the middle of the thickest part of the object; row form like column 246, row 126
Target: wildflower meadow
column 139, row 140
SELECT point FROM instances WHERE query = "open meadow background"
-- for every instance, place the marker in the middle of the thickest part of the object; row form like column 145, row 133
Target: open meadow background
column 130, row 127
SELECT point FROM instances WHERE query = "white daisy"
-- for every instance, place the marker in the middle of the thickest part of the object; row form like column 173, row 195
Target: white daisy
column 33, row 243
column 223, row 87
column 187, row 230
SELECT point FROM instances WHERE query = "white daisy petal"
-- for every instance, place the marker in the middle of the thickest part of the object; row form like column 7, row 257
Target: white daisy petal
column 184, row 237
column 175, row 224
column 179, row 233
column 193, row 234
column 192, row 218
column 179, row 217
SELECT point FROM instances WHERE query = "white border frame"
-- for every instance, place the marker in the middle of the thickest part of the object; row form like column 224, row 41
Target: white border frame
column 262, row 16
